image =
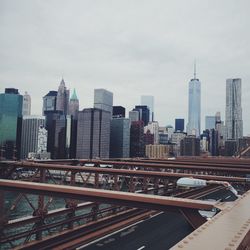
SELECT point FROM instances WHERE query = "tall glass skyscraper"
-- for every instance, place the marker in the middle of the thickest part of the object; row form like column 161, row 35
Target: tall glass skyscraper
column 194, row 106
column 234, row 121
column 103, row 99
column 62, row 100
column 148, row 100
column 11, row 104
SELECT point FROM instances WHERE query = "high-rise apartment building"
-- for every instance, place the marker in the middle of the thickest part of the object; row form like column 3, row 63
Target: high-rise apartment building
column 93, row 134
column 11, row 104
column 234, row 121
column 26, row 104
column 103, row 99
column 30, row 130
column 49, row 101
column 194, row 106
column 120, row 138
column 148, row 100
column 74, row 105
column 62, row 100
column 179, row 124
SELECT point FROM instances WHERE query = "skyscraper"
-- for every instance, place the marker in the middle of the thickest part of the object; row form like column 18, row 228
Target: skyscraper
column 194, row 106
column 103, row 99
column 134, row 115
column 49, row 101
column 62, row 100
column 11, row 104
column 179, row 124
column 137, row 145
column 56, row 126
column 120, row 138
column 73, row 111
column 118, row 111
column 148, row 100
column 26, row 104
column 143, row 113
column 210, row 122
column 190, row 146
column 74, row 105
column 93, row 133
column 29, row 138
column 153, row 128
column 234, row 121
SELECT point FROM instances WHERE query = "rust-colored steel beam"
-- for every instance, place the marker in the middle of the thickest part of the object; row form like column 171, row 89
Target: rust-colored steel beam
column 232, row 224
column 105, row 196
column 216, row 169
column 127, row 172
column 215, row 164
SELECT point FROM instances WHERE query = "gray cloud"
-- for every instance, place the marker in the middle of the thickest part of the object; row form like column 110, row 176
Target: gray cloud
column 129, row 47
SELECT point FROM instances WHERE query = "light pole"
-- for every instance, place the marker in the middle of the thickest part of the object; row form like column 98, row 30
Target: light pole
column 192, row 182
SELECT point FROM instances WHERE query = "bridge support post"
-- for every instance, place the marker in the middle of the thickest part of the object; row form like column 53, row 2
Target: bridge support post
column 2, row 217
column 40, row 210
column 193, row 217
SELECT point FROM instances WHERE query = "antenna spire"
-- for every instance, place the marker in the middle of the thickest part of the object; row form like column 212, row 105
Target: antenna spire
column 194, row 69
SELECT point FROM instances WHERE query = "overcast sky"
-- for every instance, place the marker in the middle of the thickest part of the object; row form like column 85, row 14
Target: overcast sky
column 131, row 48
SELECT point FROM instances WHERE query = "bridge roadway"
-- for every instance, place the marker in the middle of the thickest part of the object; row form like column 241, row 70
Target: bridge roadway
column 159, row 232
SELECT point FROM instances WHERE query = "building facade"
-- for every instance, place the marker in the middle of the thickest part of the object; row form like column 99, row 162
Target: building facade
column 55, row 124
column 134, row 115
column 26, row 104
column 148, row 100
column 11, row 103
column 103, row 99
column 179, row 124
column 93, row 134
column 30, row 134
column 190, row 146
column 74, row 105
column 210, row 122
column 159, row 151
column 234, row 121
column 49, row 101
column 118, row 111
column 120, row 138
column 143, row 113
column 62, row 99
column 153, row 127
column 137, row 145
column 194, row 107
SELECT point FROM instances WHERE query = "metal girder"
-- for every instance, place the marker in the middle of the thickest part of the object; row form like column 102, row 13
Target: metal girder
column 126, row 172
column 232, row 224
column 170, row 165
column 105, row 196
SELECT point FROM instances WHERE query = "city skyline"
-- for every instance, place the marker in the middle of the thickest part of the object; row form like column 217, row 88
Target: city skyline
column 152, row 53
